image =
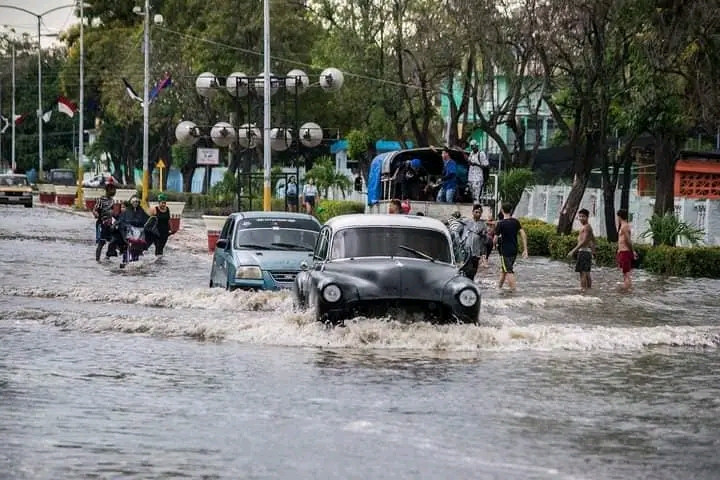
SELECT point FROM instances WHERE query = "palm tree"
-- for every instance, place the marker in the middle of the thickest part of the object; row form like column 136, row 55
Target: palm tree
column 325, row 176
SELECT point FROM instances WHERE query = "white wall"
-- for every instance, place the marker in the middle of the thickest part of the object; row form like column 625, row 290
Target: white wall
column 544, row 202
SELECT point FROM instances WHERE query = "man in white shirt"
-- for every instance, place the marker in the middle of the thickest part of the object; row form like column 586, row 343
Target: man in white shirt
column 476, row 173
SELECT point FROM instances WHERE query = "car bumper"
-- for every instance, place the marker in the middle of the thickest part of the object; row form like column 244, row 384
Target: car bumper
column 16, row 200
column 423, row 310
column 270, row 281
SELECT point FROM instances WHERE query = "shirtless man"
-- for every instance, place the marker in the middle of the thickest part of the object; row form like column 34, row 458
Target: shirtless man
column 585, row 250
column 625, row 254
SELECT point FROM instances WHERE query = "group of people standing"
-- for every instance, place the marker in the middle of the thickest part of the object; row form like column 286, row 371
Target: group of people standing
column 108, row 222
column 310, row 195
column 476, row 238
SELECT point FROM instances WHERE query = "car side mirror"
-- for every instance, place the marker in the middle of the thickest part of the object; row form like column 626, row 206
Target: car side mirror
column 304, row 266
column 221, row 244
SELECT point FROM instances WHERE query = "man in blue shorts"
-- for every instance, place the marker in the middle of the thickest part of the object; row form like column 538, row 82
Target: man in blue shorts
column 506, row 233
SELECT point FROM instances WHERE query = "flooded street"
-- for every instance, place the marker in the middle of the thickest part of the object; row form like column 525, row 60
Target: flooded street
column 148, row 373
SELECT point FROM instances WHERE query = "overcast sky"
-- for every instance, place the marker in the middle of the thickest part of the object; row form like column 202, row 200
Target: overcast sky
column 22, row 22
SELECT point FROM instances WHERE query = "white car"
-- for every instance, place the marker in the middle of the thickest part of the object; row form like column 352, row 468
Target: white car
column 99, row 181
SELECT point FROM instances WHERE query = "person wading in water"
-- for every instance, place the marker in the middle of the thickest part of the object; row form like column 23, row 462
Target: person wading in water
column 162, row 225
column 585, row 250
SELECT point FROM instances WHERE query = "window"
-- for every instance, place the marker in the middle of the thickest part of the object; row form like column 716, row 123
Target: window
column 321, row 246
column 227, row 228
column 701, row 216
column 386, row 242
column 531, row 126
column 13, row 181
column 275, row 238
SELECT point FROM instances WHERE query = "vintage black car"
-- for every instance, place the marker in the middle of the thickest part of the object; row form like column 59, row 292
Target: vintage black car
column 377, row 265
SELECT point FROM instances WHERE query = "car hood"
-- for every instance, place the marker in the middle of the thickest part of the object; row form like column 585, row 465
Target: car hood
column 15, row 188
column 278, row 260
column 393, row 277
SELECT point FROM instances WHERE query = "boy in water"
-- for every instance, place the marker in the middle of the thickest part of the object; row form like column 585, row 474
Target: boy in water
column 506, row 234
column 585, row 250
column 625, row 255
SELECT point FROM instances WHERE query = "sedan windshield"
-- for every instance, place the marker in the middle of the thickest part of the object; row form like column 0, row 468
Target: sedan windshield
column 13, row 181
column 275, row 239
column 390, row 242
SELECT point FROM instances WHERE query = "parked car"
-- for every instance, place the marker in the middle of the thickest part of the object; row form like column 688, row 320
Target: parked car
column 376, row 265
column 99, row 181
column 62, row 176
column 262, row 250
column 15, row 189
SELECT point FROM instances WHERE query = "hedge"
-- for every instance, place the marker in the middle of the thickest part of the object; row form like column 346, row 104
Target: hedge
column 662, row 260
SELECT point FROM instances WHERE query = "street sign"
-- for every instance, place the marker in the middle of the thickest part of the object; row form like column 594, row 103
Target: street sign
column 208, row 156
column 160, row 164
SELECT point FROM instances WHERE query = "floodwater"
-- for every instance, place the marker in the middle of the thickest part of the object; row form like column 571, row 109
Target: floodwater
column 147, row 373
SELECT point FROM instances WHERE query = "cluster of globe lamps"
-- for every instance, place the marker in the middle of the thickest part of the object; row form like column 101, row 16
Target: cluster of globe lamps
column 239, row 85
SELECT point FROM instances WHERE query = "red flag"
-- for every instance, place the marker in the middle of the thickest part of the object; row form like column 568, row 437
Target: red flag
column 66, row 106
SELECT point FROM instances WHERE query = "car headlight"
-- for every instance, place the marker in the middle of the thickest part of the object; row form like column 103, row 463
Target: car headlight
column 248, row 273
column 331, row 293
column 468, row 297
column 27, row 194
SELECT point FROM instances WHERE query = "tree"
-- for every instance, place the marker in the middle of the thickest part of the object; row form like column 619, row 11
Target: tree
column 325, row 177
column 575, row 43
column 673, row 63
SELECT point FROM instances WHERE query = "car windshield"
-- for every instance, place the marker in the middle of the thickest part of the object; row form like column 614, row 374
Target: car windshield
column 13, row 181
column 276, row 239
column 387, row 242
column 62, row 175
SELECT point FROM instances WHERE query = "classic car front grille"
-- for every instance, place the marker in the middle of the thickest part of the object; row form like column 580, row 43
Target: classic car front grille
column 12, row 194
column 431, row 311
column 284, row 276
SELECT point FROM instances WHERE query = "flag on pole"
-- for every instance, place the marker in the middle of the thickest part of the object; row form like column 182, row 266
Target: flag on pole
column 130, row 91
column 46, row 116
column 166, row 82
column 66, row 106
column 20, row 118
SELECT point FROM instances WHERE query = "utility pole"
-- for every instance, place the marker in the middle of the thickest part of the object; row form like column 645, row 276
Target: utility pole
column 146, row 108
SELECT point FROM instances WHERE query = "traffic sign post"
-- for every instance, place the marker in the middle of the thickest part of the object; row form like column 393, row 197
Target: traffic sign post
column 160, row 165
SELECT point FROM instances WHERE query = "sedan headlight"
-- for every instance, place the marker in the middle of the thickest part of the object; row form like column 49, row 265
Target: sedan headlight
column 248, row 273
column 468, row 297
column 331, row 293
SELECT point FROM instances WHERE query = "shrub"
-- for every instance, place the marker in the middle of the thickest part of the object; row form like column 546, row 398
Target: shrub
column 683, row 262
column 668, row 229
column 332, row 208
column 539, row 236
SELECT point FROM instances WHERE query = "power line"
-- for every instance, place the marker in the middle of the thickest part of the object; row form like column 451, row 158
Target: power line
column 294, row 62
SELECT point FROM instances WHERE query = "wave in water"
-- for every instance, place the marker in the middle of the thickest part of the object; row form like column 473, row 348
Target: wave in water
column 194, row 298
column 299, row 330
column 219, row 299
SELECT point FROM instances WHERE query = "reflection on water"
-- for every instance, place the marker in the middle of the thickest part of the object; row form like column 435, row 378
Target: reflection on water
column 98, row 379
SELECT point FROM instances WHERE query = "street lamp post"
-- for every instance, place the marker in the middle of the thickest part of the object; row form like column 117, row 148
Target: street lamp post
column 39, row 17
column 239, row 85
column 146, row 96
column 80, row 195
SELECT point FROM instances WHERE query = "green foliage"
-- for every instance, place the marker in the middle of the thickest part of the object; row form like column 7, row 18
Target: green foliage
column 539, row 235
column 667, row 229
column 357, row 143
column 325, row 177
column 181, row 155
column 332, row 208
column 513, row 183
column 225, row 191
column 683, row 262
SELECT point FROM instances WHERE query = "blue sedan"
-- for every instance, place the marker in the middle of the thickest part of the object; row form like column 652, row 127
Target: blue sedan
column 263, row 250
